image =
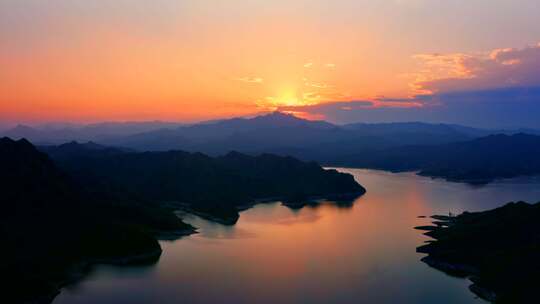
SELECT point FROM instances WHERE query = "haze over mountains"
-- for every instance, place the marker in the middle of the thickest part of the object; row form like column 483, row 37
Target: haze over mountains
column 453, row 152
column 62, row 132
column 480, row 160
column 276, row 132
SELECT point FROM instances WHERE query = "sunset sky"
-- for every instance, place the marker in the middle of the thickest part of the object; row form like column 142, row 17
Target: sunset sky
column 475, row 62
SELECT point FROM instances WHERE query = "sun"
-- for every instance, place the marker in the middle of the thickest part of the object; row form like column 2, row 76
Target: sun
column 286, row 99
column 291, row 99
column 289, row 102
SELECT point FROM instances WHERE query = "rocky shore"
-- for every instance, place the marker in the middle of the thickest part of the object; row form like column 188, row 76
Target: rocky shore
column 78, row 271
column 297, row 202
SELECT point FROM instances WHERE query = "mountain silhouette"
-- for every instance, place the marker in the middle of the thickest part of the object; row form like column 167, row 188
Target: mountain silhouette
column 51, row 227
column 479, row 160
column 214, row 187
column 286, row 134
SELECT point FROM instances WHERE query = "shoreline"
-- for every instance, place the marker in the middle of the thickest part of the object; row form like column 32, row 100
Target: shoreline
column 460, row 270
column 419, row 172
column 185, row 207
column 80, row 270
column 463, row 271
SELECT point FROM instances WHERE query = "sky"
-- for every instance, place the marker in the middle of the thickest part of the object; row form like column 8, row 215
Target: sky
column 473, row 62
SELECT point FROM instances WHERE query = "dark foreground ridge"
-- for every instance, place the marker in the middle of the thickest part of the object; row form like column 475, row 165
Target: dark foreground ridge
column 499, row 250
column 100, row 205
column 53, row 231
column 213, row 187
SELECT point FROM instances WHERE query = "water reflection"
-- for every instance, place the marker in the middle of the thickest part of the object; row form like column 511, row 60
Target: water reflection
column 329, row 253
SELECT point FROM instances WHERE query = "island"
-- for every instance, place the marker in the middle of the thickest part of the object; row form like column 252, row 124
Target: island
column 498, row 250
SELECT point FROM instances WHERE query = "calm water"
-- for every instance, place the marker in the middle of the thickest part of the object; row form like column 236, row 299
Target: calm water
column 362, row 254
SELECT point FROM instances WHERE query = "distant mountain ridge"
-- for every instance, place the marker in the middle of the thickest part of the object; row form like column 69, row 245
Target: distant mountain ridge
column 390, row 146
column 480, row 160
column 284, row 134
column 74, row 150
column 57, row 133
column 275, row 132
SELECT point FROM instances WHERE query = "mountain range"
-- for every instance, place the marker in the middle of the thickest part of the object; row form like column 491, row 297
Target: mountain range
column 479, row 161
column 56, row 133
column 272, row 133
column 453, row 152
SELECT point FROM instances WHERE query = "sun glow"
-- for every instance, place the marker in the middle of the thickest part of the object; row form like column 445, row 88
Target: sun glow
column 290, row 99
column 191, row 60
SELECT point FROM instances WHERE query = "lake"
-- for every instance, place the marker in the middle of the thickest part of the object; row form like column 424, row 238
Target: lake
column 363, row 253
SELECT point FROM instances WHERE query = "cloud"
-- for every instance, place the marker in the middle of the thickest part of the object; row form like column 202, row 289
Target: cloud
column 317, row 85
column 325, row 109
column 494, row 89
column 326, row 65
column 393, row 99
column 250, row 79
column 515, row 107
column 499, row 68
column 311, row 96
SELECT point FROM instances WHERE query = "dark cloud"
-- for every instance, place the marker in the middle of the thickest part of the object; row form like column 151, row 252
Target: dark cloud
column 390, row 99
column 516, row 107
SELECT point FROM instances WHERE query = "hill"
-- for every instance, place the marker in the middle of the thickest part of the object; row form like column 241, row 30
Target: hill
column 287, row 135
column 276, row 133
column 213, row 187
column 57, row 133
column 44, row 209
column 480, row 160
column 498, row 249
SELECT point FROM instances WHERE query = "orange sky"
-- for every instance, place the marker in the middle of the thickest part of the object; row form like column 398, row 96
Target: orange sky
column 192, row 60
